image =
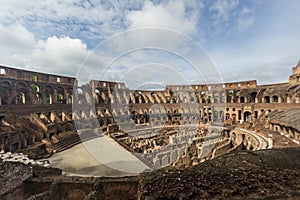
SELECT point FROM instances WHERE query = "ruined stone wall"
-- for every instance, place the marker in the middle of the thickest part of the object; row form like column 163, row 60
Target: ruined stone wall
column 27, row 87
column 112, row 107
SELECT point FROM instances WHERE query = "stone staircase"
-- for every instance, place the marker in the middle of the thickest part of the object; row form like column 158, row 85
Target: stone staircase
column 72, row 141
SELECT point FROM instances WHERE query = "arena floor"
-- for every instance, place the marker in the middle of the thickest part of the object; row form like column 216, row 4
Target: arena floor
column 98, row 157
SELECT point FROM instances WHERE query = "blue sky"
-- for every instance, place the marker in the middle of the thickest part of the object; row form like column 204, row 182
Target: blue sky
column 246, row 39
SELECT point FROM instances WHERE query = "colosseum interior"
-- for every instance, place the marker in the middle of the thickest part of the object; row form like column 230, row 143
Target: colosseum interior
column 181, row 126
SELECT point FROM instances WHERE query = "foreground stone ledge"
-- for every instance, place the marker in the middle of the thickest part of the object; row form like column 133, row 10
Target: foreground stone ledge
column 272, row 173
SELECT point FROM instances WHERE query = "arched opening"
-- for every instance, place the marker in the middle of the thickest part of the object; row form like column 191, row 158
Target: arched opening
column 215, row 115
column 229, row 97
column 297, row 98
column 79, row 91
column 5, row 93
column 247, row 116
column 221, row 117
column 252, row 97
column 227, row 116
column 48, row 99
column 136, row 99
column 275, row 99
column 60, row 98
column 242, row 99
column 48, row 95
column 70, row 99
column 60, row 95
column 142, row 98
column 20, row 98
column 35, row 88
column 38, row 98
column 21, row 89
column 266, row 99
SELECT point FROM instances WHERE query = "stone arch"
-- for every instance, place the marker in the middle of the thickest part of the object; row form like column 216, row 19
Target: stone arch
column 143, row 100
column 222, row 97
column 49, row 99
column 136, row 98
column 36, row 95
column 39, row 98
column 266, row 99
column 275, row 99
column 22, row 95
column 48, row 94
column 227, row 116
column 70, row 99
column 5, row 92
column 215, row 115
column 296, row 98
column 247, row 116
column 253, row 98
column 21, row 86
column 230, row 96
column 282, row 98
column 243, row 99
column 69, row 96
column 289, row 99
column 20, row 98
column 60, row 97
column 221, row 116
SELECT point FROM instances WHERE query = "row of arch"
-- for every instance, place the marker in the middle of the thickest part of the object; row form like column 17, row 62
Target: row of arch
column 193, row 97
column 33, row 93
column 270, row 99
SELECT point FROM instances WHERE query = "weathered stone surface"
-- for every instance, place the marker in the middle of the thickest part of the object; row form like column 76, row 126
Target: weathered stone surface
column 265, row 174
column 39, row 171
column 12, row 176
column 243, row 175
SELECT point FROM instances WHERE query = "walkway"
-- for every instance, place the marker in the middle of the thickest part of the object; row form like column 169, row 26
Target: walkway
column 264, row 143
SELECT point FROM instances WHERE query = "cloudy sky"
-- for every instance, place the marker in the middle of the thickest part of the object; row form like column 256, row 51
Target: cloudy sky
column 245, row 39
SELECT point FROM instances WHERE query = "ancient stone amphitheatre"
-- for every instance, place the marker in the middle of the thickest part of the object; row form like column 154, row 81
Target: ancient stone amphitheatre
column 147, row 144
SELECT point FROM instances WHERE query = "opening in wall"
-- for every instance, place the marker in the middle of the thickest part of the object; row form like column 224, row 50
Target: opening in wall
column 2, row 71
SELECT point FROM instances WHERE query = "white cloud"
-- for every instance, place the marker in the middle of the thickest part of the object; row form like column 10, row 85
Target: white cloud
column 172, row 14
column 87, row 19
column 15, row 39
column 19, row 48
column 63, row 55
column 223, row 9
